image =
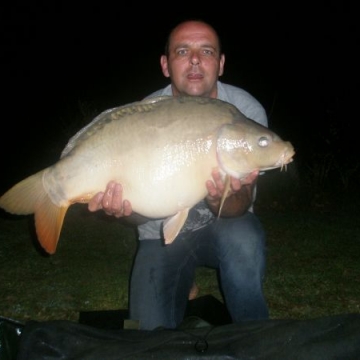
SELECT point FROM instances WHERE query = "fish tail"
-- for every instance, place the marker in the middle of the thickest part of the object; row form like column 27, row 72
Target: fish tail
column 49, row 220
column 22, row 198
column 29, row 197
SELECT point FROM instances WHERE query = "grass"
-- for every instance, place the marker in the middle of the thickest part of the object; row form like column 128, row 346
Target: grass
column 313, row 267
column 89, row 270
column 313, row 262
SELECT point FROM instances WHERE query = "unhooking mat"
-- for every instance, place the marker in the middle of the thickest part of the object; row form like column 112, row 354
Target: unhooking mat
column 333, row 337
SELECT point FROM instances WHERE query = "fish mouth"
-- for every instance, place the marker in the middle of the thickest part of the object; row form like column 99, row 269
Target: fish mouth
column 286, row 158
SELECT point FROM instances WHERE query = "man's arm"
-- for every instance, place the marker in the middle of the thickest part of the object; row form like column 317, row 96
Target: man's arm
column 239, row 198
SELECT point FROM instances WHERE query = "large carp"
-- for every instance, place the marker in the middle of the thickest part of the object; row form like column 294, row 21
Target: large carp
column 162, row 150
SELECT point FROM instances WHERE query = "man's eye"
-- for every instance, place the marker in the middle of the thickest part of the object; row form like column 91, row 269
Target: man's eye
column 208, row 52
column 182, row 52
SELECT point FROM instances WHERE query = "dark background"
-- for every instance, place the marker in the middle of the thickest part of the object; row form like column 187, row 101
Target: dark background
column 63, row 64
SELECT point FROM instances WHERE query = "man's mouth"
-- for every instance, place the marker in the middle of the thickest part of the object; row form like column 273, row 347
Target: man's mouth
column 194, row 76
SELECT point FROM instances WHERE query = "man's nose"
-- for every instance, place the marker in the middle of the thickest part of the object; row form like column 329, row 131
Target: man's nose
column 194, row 59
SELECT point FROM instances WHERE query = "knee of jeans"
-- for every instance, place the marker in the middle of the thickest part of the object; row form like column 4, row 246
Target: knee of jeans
column 243, row 238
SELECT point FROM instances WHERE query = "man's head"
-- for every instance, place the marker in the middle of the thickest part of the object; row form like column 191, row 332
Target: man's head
column 193, row 59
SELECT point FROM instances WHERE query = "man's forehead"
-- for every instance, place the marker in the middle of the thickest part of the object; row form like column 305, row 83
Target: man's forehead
column 188, row 38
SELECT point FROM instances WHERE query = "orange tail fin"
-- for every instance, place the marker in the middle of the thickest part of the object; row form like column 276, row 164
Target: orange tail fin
column 49, row 220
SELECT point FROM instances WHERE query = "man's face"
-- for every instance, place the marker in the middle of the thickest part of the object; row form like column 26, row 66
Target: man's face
column 194, row 63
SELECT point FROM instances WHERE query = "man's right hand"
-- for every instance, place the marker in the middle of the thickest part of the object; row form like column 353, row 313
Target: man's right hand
column 111, row 201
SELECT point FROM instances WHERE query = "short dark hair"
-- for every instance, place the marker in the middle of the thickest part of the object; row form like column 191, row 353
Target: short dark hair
column 167, row 42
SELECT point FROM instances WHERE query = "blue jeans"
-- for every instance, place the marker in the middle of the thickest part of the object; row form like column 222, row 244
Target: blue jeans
column 162, row 275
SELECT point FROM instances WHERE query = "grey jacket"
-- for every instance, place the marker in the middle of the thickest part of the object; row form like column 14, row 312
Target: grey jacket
column 200, row 215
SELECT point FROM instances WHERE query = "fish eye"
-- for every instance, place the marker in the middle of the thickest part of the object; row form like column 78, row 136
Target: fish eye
column 263, row 141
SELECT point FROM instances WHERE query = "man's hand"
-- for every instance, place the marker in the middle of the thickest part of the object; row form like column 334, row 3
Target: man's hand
column 238, row 198
column 111, row 201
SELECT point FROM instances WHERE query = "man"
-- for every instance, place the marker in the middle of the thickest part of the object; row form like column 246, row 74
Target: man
column 163, row 275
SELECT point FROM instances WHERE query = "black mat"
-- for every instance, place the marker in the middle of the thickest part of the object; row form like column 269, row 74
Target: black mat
column 335, row 337
column 206, row 333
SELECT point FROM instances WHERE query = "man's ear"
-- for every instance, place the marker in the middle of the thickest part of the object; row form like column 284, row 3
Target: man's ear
column 222, row 63
column 164, row 65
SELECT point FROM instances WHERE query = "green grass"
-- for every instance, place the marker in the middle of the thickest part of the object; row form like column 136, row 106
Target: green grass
column 313, row 264
column 89, row 270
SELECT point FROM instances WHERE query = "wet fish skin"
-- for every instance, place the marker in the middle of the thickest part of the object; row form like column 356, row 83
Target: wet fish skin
column 162, row 150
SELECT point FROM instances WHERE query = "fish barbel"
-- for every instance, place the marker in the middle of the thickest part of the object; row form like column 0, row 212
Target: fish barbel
column 161, row 150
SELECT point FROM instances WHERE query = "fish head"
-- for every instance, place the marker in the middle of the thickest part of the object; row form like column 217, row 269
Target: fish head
column 248, row 146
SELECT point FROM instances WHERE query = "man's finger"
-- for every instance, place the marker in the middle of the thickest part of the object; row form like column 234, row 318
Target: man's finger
column 95, row 202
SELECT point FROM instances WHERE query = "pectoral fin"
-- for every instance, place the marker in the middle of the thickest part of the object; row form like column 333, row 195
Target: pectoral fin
column 225, row 193
column 173, row 225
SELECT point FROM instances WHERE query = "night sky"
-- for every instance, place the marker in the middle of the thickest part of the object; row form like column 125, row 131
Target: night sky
column 61, row 66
